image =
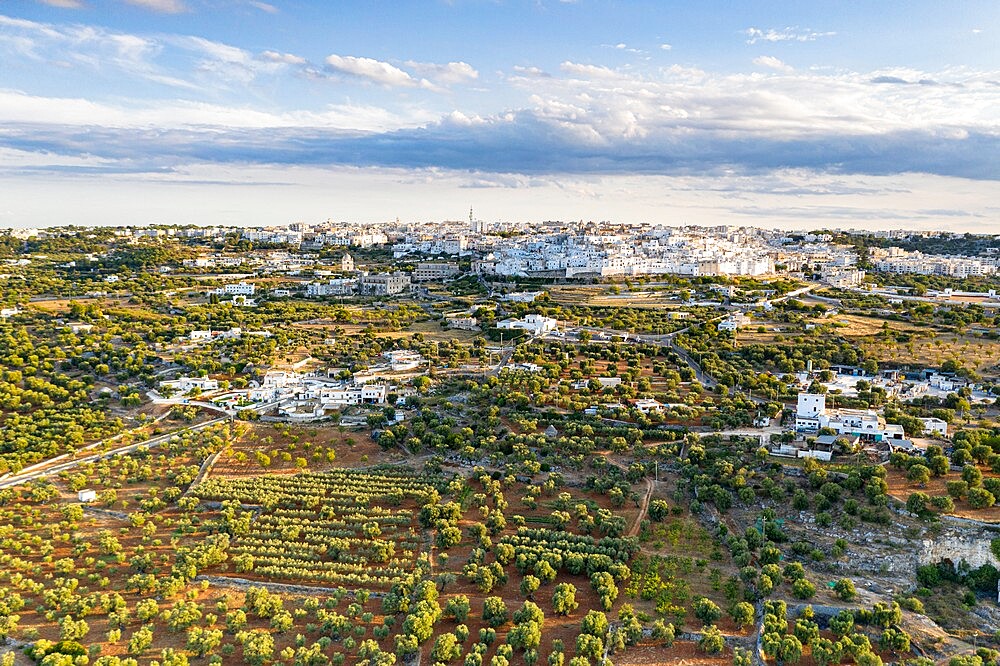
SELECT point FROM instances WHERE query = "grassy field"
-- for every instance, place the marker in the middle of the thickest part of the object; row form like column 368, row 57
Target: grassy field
column 926, row 346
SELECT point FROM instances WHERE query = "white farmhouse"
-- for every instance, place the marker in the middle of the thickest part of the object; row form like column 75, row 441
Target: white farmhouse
column 403, row 359
column 934, row 426
column 812, row 414
column 648, row 405
column 533, row 323
column 734, row 322
column 239, row 289
column 185, row 384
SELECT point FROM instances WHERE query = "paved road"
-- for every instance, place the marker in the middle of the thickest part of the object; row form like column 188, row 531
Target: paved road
column 19, row 479
column 504, row 360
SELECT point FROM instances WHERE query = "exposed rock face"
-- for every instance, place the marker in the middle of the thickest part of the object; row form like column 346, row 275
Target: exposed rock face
column 956, row 544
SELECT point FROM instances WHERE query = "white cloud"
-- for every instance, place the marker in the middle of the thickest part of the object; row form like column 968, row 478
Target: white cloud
column 18, row 108
column 676, row 103
column 789, row 34
column 666, row 47
column 161, row 6
column 622, row 46
column 449, row 73
column 532, row 72
column 216, row 50
column 282, row 58
column 264, row 7
column 588, row 71
column 370, row 69
column 773, row 63
column 186, row 62
column 63, row 4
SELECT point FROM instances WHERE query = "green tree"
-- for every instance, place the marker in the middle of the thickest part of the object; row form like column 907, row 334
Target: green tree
column 706, row 610
column 529, row 585
column 72, row 630
column 712, row 640
column 457, row 608
column 564, row 599
column 803, row 589
column 742, row 614
column 203, row 641
column 140, row 640
column 594, row 623
column 446, row 648
column 495, row 612
column 845, row 590
column 790, row 651
column 258, row 646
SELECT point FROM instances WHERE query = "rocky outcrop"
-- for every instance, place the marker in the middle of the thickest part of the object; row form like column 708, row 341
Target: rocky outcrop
column 957, row 544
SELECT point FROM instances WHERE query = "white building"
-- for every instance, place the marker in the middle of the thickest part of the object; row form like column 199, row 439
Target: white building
column 295, row 390
column 734, row 322
column 934, row 426
column 199, row 262
column 241, row 301
column 812, row 414
column 533, row 323
column 522, row 296
column 384, row 284
column 185, row 384
column 463, row 323
column 86, row 496
column 239, row 289
column 648, row 405
column 401, row 360
column 335, row 287
column 435, row 271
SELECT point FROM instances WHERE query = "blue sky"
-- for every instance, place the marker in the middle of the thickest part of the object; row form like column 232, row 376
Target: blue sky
column 235, row 111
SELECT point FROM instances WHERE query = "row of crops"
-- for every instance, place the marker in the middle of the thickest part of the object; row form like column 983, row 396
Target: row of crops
column 342, row 487
column 573, row 553
column 330, row 528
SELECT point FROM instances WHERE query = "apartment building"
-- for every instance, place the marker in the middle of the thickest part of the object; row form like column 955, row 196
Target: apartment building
column 383, row 284
column 435, row 271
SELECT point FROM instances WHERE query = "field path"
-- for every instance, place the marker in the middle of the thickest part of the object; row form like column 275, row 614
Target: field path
column 642, row 509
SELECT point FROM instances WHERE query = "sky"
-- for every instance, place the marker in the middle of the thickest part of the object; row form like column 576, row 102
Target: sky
column 765, row 113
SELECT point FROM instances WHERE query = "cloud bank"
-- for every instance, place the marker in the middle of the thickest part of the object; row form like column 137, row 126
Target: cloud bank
column 208, row 115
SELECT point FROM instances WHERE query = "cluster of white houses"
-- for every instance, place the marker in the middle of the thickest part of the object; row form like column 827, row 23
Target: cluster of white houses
column 898, row 260
column 812, row 414
column 295, row 394
column 295, row 389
